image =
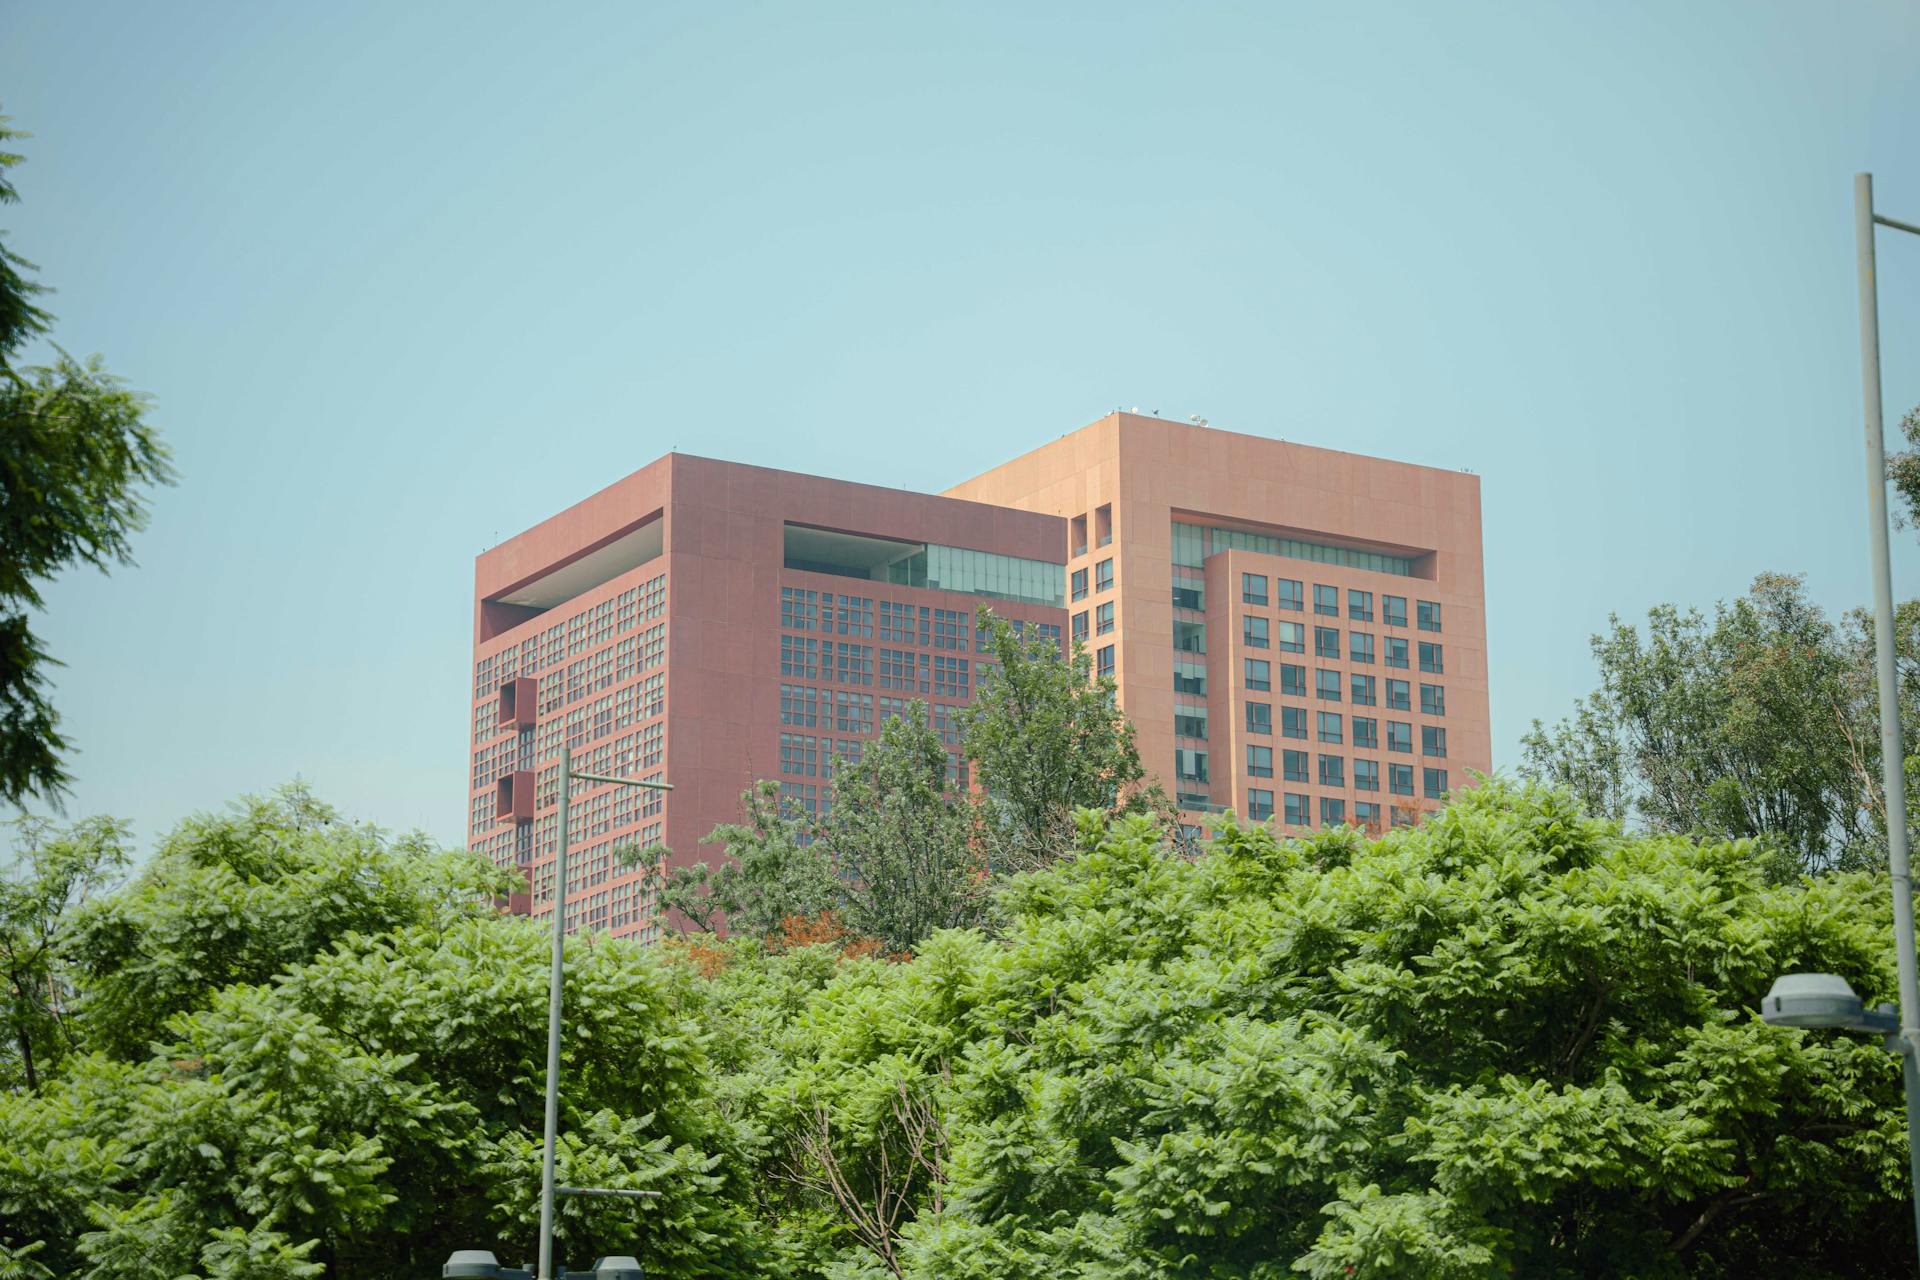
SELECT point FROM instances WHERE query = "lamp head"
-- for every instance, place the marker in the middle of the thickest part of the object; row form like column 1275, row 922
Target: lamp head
column 1821, row 1000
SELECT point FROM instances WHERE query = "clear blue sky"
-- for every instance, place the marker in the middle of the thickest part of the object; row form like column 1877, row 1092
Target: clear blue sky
column 406, row 278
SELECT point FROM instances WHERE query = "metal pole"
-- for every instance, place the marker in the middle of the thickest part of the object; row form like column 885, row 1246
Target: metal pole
column 1892, row 751
column 559, row 925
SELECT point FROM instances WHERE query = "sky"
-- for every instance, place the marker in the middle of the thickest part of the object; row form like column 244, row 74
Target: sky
column 403, row 280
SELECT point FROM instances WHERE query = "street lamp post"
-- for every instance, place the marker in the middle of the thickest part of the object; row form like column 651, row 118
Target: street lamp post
column 559, row 924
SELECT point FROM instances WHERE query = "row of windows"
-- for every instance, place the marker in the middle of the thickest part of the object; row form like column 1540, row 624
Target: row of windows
column 583, row 631
column 1331, row 771
column 1291, row 637
column 1193, row 543
column 1287, row 594
column 1362, row 688
column 1330, row 726
column 1333, row 811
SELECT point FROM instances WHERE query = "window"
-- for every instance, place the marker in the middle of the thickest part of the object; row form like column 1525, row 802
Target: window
column 1433, row 741
column 1259, row 717
column 1366, row 775
column 1327, row 685
column 1189, row 595
column 1436, row 780
column 1360, row 605
column 1326, row 643
column 797, row 703
column 1292, row 637
column 1399, row 735
column 1326, row 600
column 1287, row 593
column 1393, row 610
column 1366, row 814
column 1190, row 637
column 1293, row 680
column 1077, row 535
column 1253, row 632
column 1190, row 722
column 1294, row 765
column 1333, row 771
column 1360, row 646
column 949, row 676
column 1362, row 690
column 1080, row 625
column 1400, row 779
column 1331, row 726
column 1433, row 700
column 1333, row 812
column 1259, row 674
column 1104, row 661
column 1259, row 804
column 1366, row 732
column 1431, row 659
column 1190, row 765
column 1259, row 761
column 1103, row 525
column 1293, row 722
column 1296, row 810
column 798, row 611
column 1397, row 652
column 1429, row 616
column 1253, row 588
column 1189, row 677
column 1103, row 618
column 1103, row 575
column 1399, row 695
column 1079, row 584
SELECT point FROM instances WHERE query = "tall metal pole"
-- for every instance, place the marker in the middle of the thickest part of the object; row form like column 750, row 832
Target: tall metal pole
column 559, row 925
column 1892, row 751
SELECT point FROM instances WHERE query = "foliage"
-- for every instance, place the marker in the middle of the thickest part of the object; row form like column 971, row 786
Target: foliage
column 1046, row 738
column 770, row 872
column 76, row 452
column 1759, row 723
column 1903, row 468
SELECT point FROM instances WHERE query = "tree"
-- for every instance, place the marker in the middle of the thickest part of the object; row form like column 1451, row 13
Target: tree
column 1046, row 737
column 771, row 872
column 52, row 874
column 902, row 841
column 1759, row 723
column 75, row 453
column 1903, row 469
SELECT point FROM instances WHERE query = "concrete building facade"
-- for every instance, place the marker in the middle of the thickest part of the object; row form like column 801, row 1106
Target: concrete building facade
column 1297, row 633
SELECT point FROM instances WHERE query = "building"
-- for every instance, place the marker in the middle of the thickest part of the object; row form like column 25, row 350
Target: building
column 716, row 623
column 1297, row 633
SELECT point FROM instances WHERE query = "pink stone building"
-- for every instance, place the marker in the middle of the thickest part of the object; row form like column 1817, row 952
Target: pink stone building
column 1297, row 633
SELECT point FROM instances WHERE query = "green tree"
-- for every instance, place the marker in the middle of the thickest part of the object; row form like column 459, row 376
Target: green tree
column 51, row 875
column 904, row 843
column 771, row 871
column 75, row 454
column 1046, row 738
column 1760, row 722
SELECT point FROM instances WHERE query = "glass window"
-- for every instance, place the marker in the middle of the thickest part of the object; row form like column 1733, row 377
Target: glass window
column 1294, row 765
column 1333, row 771
column 1326, row 600
column 1433, row 700
column 1293, row 722
column 1253, row 588
column 1293, row 637
column 1393, row 610
column 1190, row 722
column 1362, row 690
column 1287, row 593
column 1399, row 735
column 1359, row 646
column 1293, row 680
column 1331, row 725
column 1190, row 677
column 1259, row 761
column 1259, row 717
column 1327, row 685
column 1189, row 637
column 1190, row 765
column 1259, row 674
column 1188, row 547
column 1431, row 659
column 1360, row 605
column 1259, row 804
column 1433, row 740
column 1333, row 811
column 1326, row 643
column 1400, row 779
column 1103, row 618
column 1366, row 732
column 1399, row 695
column 1429, row 616
column 1080, row 625
column 1397, row 652
column 1188, row 594
column 1104, row 666
column 1103, row 575
column 1436, row 780
column 1296, row 810
column 1366, row 775
column 1079, row 584
column 1253, row 632
column 1366, row 814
